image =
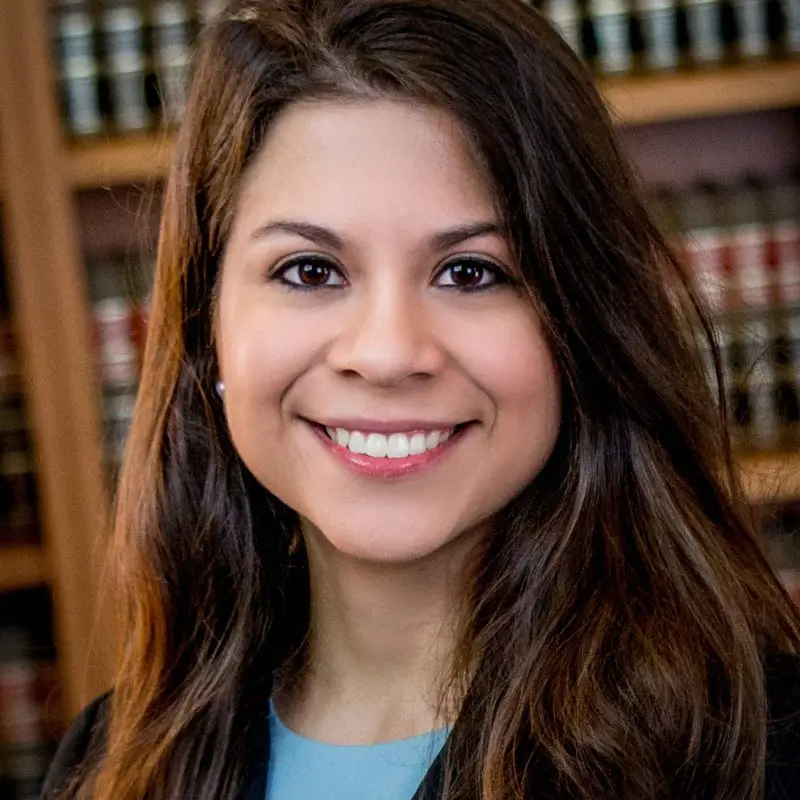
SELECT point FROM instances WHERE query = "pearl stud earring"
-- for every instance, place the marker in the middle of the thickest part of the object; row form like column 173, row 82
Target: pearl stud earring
column 219, row 386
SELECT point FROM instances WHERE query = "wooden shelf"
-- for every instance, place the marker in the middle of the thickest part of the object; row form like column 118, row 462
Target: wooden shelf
column 771, row 478
column 119, row 161
column 22, row 568
column 146, row 158
column 663, row 98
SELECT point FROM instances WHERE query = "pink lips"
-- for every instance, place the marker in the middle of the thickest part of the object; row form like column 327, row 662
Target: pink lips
column 388, row 468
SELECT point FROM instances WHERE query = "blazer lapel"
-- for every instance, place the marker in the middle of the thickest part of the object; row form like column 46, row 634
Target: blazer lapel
column 431, row 786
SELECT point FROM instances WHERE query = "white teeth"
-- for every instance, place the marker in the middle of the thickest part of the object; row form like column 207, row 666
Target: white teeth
column 417, row 444
column 357, row 443
column 398, row 446
column 377, row 445
column 395, row 445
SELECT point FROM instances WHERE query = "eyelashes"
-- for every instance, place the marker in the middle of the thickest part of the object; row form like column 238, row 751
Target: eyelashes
column 314, row 272
column 308, row 273
column 470, row 275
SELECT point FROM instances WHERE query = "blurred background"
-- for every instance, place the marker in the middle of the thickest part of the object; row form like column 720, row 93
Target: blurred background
column 706, row 94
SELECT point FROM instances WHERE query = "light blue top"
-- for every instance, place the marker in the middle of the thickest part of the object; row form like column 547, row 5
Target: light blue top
column 303, row 769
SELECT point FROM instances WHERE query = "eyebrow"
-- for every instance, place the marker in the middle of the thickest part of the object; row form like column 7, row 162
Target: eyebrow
column 325, row 237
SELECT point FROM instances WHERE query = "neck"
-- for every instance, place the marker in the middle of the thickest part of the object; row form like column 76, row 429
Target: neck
column 380, row 646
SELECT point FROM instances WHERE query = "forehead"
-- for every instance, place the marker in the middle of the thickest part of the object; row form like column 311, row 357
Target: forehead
column 348, row 159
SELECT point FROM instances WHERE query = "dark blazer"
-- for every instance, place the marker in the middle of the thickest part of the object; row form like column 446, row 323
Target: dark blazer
column 783, row 744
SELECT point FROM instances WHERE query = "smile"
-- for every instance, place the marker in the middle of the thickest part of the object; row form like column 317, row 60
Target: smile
column 394, row 445
column 390, row 454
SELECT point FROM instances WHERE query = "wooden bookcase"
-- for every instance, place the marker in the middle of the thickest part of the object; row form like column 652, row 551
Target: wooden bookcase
column 48, row 298
column 40, row 171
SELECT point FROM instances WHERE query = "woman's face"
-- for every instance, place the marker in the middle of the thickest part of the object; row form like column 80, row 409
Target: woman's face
column 383, row 378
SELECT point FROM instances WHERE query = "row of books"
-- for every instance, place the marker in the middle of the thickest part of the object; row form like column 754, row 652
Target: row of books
column 118, row 287
column 19, row 517
column 19, row 503
column 741, row 243
column 622, row 36
column 123, row 64
column 760, row 355
column 31, row 719
column 741, row 240
column 119, row 331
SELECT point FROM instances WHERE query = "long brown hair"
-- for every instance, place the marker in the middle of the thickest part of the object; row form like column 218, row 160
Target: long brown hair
column 621, row 614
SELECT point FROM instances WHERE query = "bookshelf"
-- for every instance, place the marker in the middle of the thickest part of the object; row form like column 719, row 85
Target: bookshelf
column 46, row 285
column 40, row 176
column 633, row 101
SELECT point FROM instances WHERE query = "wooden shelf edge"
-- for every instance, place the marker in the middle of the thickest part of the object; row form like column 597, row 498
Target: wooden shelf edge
column 633, row 101
column 22, row 567
column 119, row 162
column 773, row 478
column 665, row 98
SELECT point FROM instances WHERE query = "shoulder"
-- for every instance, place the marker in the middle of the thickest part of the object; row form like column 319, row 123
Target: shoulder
column 783, row 743
column 85, row 738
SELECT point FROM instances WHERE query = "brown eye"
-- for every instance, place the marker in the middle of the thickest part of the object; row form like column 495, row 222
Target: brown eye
column 310, row 273
column 313, row 274
column 469, row 274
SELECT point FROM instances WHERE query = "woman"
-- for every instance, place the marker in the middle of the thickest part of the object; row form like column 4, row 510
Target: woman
column 426, row 491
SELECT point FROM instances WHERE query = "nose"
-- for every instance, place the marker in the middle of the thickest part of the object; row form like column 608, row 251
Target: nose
column 387, row 338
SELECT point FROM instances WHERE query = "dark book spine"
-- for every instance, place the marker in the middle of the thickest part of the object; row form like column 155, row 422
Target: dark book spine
column 172, row 55
column 79, row 72
column 126, row 68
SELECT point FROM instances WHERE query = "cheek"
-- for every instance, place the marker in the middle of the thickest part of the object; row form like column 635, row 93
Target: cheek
column 261, row 353
column 259, row 344
column 520, row 376
column 511, row 360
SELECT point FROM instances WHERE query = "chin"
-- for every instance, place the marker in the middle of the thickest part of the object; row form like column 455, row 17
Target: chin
column 381, row 543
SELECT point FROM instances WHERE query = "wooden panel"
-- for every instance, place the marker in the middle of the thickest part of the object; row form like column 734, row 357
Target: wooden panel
column 771, row 478
column 122, row 161
column 47, row 289
column 22, row 568
column 703, row 94
column 633, row 101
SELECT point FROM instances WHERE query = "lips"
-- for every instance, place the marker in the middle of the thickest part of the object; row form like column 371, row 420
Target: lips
column 393, row 455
